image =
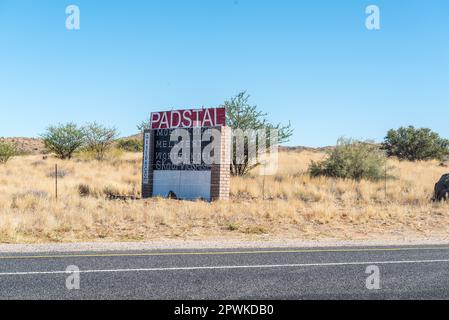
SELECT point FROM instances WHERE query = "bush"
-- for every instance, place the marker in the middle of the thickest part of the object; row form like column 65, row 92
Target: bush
column 415, row 144
column 64, row 139
column 99, row 139
column 7, row 151
column 130, row 145
column 351, row 159
column 84, row 190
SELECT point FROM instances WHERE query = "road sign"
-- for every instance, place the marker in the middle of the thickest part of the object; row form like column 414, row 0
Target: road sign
column 177, row 153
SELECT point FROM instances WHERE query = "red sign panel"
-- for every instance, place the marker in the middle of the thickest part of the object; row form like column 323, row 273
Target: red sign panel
column 215, row 117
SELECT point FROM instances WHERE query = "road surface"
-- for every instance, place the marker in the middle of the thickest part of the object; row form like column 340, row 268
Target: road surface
column 324, row 273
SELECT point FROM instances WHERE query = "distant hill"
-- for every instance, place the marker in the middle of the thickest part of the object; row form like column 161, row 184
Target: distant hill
column 36, row 146
column 302, row 148
column 26, row 145
column 138, row 136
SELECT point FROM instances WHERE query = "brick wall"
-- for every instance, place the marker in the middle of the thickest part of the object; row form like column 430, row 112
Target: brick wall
column 221, row 175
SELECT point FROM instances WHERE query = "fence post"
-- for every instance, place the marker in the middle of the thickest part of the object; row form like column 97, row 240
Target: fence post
column 386, row 177
column 56, row 181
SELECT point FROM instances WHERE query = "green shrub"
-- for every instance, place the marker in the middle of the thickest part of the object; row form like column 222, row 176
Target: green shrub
column 7, row 151
column 130, row 145
column 64, row 139
column 244, row 116
column 99, row 139
column 415, row 144
column 84, row 190
column 351, row 159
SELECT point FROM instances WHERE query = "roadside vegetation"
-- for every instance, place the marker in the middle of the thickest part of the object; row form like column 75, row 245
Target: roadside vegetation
column 99, row 139
column 247, row 118
column 352, row 160
column 7, row 152
column 357, row 190
column 64, row 140
column 409, row 143
column 291, row 205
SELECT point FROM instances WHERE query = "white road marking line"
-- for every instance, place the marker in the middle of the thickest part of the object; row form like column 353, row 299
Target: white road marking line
column 272, row 266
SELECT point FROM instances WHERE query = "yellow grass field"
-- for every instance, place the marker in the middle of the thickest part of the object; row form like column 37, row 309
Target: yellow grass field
column 292, row 205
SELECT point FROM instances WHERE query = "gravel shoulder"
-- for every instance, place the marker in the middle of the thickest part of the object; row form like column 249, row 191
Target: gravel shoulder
column 170, row 244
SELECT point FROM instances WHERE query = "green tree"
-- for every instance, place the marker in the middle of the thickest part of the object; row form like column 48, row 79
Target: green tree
column 64, row 139
column 99, row 139
column 144, row 125
column 240, row 114
column 351, row 159
column 409, row 143
column 7, row 151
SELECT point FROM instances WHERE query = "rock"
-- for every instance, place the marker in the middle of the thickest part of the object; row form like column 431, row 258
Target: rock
column 172, row 195
column 442, row 189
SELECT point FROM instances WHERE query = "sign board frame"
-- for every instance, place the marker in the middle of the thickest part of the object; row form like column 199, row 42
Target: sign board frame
column 209, row 183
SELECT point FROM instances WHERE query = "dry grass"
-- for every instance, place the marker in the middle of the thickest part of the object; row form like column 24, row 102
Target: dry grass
column 293, row 205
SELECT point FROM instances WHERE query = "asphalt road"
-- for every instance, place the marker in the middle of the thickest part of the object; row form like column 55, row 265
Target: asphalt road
column 333, row 273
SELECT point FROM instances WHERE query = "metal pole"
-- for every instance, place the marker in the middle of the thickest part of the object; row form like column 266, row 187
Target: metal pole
column 56, row 181
column 386, row 180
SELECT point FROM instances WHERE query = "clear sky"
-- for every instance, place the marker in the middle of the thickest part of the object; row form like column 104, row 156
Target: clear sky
column 313, row 63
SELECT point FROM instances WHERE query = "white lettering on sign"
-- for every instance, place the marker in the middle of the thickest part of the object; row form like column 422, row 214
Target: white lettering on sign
column 146, row 159
column 208, row 118
column 164, row 121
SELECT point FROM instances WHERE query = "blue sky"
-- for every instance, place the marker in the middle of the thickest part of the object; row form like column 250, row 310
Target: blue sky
column 309, row 62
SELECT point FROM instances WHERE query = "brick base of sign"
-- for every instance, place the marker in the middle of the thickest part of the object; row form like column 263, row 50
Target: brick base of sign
column 220, row 183
column 221, row 175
